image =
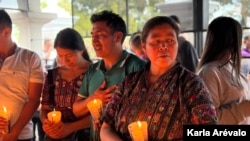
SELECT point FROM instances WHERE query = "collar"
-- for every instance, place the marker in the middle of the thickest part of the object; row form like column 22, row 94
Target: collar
column 121, row 62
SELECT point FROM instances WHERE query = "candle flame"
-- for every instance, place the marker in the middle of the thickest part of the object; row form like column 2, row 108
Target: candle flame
column 139, row 123
column 95, row 101
column 54, row 114
column 4, row 109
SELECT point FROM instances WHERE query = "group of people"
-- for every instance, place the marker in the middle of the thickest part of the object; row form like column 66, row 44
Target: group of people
column 158, row 90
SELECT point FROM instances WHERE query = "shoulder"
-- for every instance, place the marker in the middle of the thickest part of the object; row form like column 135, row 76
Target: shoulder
column 208, row 68
column 26, row 51
column 134, row 60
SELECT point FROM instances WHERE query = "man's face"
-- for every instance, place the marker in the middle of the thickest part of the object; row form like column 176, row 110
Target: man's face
column 103, row 39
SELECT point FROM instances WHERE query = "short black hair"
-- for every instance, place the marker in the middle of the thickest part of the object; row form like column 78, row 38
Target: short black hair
column 113, row 21
column 5, row 20
column 156, row 21
column 175, row 18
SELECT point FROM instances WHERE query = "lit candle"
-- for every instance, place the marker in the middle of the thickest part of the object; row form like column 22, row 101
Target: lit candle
column 95, row 108
column 138, row 130
column 54, row 116
column 6, row 115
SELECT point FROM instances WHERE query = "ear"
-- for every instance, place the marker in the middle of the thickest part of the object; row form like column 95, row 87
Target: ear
column 6, row 32
column 118, row 36
column 143, row 45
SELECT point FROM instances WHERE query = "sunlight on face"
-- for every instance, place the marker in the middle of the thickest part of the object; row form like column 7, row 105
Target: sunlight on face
column 162, row 45
column 67, row 57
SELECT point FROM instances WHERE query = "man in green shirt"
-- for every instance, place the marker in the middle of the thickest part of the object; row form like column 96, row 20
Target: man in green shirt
column 108, row 33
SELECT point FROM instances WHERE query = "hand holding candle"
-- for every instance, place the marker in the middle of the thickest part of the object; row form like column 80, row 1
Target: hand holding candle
column 54, row 116
column 95, row 108
column 138, row 130
column 5, row 115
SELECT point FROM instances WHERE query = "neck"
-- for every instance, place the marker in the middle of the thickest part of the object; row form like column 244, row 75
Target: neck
column 112, row 59
column 8, row 51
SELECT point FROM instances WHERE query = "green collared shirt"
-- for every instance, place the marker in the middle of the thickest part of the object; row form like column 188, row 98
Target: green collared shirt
column 97, row 73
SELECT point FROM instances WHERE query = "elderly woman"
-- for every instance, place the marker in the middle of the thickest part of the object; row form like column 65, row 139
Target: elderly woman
column 164, row 94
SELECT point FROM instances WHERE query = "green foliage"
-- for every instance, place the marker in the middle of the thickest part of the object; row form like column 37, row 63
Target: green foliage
column 139, row 12
column 66, row 5
column 43, row 4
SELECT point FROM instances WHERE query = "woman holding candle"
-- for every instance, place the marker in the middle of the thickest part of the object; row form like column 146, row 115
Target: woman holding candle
column 164, row 94
column 67, row 78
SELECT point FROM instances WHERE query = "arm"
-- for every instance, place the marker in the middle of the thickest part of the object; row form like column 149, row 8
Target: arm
column 80, row 108
column 199, row 102
column 28, row 110
column 108, row 134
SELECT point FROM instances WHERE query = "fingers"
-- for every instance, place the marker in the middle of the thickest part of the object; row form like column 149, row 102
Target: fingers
column 111, row 89
column 103, row 85
column 107, row 98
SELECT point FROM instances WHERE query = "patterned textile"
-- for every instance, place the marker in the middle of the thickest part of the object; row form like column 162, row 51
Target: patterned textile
column 178, row 97
column 65, row 95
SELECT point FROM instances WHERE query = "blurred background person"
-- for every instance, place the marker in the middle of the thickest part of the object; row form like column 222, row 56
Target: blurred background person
column 245, row 54
column 49, row 54
column 219, row 67
column 135, row 45
column 187, row 54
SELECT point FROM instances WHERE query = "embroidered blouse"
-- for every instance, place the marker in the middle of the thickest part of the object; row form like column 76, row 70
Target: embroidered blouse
column 65, row 95
column 177, row 98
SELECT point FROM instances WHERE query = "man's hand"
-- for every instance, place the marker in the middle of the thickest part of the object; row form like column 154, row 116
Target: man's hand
column 103, row 93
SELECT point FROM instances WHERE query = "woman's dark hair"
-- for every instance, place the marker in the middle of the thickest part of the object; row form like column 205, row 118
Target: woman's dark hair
column 113, row 21
column 69, row 38
column 156, row 21
column 224, row 36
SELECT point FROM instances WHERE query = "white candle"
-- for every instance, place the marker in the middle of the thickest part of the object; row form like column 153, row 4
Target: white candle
column 138, row 130
column 4, row 113
column 95, row 108
column 54, row 116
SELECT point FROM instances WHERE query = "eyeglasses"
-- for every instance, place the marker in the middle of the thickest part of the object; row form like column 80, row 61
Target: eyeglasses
column 161, row 44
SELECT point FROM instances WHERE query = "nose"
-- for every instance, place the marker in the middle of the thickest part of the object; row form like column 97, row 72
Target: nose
column 163, row 46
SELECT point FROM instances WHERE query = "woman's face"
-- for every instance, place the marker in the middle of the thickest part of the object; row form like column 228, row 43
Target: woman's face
column 161, row 46
column 68, row 58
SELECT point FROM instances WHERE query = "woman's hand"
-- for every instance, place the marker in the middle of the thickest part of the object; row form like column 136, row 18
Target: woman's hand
column 57, row 130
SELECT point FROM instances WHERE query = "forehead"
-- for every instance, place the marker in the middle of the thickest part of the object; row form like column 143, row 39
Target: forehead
column 64, row 51
column 100, row 26
column 162, row 30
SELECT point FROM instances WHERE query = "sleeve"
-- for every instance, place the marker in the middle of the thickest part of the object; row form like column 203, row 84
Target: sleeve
column 113, row 106
column 199, row 102
column 232, row 112
column 36, row 69
column 135, row 64
column 83, row 90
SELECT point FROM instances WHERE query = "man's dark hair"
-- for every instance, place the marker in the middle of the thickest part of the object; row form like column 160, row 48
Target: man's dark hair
column 175, row 18
column 5, row 20
column 113, row 21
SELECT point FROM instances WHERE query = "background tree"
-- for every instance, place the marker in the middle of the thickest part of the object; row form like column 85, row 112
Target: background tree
column 138, row 12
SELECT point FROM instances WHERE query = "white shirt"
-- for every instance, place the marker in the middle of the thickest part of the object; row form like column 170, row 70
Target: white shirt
column 17, row 71
column 231, row 102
